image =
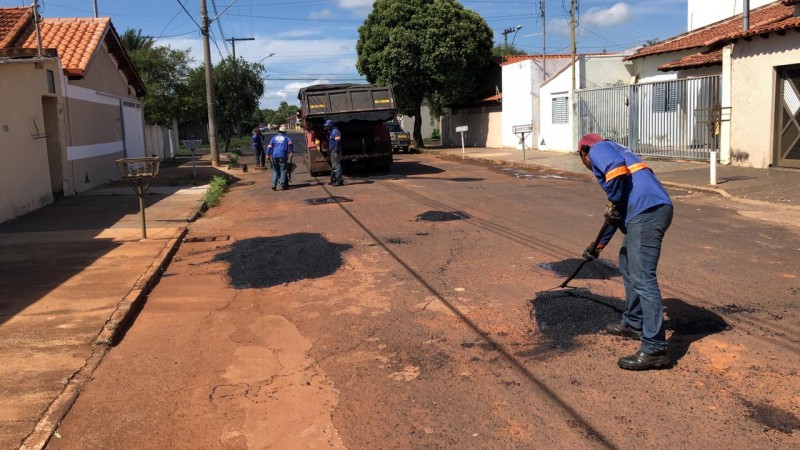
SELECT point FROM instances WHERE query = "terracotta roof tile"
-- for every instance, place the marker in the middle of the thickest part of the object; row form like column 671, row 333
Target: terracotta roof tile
column 764, row 16
column 12, row 22
column 703, row 59
column 76, row 40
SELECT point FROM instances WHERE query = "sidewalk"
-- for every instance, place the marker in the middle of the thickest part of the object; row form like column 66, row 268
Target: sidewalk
column 765, row 185
column 71, row 275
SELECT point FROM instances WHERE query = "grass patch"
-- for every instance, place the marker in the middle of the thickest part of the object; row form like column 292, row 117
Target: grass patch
column 219, row 184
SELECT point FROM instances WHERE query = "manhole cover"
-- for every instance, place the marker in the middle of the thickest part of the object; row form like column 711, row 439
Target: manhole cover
column 442, row 216
column 207, row 238
column 327, row 200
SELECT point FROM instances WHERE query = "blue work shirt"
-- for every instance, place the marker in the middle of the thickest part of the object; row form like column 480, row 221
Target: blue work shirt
column 335, row 141
column 627, row 181
column 280, row 146
column 258, row 141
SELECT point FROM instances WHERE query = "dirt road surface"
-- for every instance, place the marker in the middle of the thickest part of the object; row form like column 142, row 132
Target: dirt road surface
column 401, row 315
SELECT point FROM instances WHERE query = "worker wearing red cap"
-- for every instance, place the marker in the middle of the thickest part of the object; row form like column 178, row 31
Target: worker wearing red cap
column 639, row 206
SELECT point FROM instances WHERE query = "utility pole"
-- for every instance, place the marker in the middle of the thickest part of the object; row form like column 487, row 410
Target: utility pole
column 36, row 19
column 233, row 43
column 573, row 4
column 506, row 32
column 212, row 120
column 95, row 9
column 543, row 3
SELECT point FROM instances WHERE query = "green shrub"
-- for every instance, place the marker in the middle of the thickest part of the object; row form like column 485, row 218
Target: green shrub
column 219, row 184
column 435, row 134
column 233, row 160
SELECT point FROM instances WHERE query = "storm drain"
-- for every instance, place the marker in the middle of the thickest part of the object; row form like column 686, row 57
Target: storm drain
column 595, row 270
column 327, row 200
column 207, row 239
column 442, row 216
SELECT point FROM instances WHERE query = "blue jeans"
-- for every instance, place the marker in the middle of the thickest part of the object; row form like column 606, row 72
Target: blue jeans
column 336, row 167
column 638, row 261
column 279, row 172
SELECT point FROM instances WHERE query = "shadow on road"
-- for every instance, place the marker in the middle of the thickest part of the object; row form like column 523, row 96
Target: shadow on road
column 270, row 261
column 561, row 319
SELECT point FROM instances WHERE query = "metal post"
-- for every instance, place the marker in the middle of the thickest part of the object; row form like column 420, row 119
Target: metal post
column 544, row 43
column 713, row 167
column 746, row 15
column 141, row 209
column 572, row 38
column 95, row 9
column 463, row 150
column 194, row 170
column 212, row 120
column 523, row 148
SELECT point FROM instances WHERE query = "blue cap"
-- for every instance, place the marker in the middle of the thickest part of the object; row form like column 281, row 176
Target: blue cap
column 329, row 123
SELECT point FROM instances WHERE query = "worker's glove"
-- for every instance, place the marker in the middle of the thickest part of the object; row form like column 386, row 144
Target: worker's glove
column 592, row 252
column 612, row 215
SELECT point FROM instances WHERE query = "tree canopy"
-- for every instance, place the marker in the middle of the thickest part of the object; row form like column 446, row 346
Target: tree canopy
column 506, row 50
column 424, row 49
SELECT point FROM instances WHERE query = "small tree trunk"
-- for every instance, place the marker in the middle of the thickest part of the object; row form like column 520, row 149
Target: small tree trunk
column 418, row 125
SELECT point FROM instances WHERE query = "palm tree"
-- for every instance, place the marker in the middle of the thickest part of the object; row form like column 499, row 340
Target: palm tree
column 133, row 40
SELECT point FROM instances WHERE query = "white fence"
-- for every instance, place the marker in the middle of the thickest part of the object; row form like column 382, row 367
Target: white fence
column 161, row 141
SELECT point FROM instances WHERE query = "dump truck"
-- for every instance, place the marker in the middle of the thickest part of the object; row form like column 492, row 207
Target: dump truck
column 360, row 112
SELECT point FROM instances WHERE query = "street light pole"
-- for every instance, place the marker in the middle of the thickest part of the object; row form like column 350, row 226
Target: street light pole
column 212, row 120
column 95, row 9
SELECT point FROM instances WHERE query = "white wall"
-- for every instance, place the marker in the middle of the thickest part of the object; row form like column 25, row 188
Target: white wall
column 753, row 96
column 703, row 12
column 517, row 101
column 557, row 137
column 407, row 122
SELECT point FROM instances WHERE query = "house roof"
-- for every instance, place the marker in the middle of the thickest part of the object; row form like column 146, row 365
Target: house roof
column 75, row 39
column 702, row 59
column 513, row 59
column 730, row 28
column 12, row 22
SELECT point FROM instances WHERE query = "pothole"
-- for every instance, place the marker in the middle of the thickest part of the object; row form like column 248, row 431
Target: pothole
column 327, row 200
column 207, row 238
column 397, row 241
column 442, row 216
column 595, row 270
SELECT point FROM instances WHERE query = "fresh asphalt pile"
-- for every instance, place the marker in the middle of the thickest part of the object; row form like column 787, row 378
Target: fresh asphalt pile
column 563, row 318
column 270, row 261
column 442, row 216
column 595, row 270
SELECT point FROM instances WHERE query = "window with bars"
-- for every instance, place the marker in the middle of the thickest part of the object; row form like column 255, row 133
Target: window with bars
column 665, row 97
column 560, row 110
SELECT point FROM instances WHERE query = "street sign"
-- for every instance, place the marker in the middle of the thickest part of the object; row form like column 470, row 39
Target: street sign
column 527, row 128
column 462, row 129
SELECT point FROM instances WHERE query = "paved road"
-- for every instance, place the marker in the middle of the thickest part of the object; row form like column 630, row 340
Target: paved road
column 402, row 316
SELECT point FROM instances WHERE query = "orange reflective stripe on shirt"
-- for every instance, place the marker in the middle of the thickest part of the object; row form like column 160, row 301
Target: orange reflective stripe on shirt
column 618, row 172
column 337, row 138
column 637, row 167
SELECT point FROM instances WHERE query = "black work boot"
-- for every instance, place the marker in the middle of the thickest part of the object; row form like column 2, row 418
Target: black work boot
column 619, row 329
column 645, row 361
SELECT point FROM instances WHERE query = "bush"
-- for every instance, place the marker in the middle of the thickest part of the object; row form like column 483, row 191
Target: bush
column 219, row 184
column 435, row 134
column 233, row 160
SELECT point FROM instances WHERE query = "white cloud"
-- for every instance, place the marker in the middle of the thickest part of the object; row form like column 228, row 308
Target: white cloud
column 600, row 17
column 299, row 33
column 356, row 4
column 324, row 14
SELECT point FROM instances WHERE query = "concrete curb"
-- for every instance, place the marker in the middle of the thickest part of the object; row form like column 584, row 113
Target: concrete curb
column 550, row 170
column 111, row 333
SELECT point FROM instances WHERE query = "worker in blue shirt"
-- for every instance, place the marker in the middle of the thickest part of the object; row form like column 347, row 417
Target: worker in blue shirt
column 279, row 151
column 639, row 206
column 258, row 147
column 335, row 151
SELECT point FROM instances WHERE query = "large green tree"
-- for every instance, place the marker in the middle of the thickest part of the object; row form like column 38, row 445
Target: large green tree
column 434, row 49
column 164, row 72
column 238, row 86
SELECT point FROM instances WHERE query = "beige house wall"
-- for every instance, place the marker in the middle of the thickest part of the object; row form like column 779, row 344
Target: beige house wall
column 754, row 96
column 25, row 180
column 485, row 130
column 95, row 122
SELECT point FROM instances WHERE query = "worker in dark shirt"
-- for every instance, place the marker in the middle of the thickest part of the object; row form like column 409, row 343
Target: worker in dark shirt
column 335, row 151
column 258, row 147
column 639, row 206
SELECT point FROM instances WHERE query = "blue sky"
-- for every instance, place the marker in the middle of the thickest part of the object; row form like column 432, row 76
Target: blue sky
column 313, row 41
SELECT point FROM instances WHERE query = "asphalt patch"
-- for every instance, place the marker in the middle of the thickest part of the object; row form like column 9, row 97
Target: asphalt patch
column 442, row 216
column 733, row 308
column 772, row 418
column 397, row 241
column 270, row 261
column 595, row 270
column 564, row 318
column 327, row 200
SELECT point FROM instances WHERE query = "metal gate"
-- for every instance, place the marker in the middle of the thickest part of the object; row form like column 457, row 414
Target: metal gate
column 788, row 135
column 666, row 118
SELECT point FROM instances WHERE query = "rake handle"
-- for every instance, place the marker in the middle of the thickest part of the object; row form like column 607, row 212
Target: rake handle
column 583, row 263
